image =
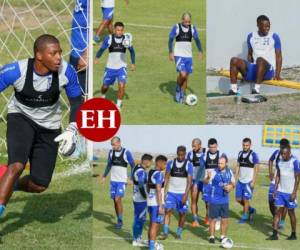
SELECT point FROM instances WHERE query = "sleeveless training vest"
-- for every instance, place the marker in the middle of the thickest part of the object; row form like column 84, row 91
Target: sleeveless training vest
column 184, row 36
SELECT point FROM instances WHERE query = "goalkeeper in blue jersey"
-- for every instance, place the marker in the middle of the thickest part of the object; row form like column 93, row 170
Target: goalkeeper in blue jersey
column 34, row 117
column 183, row 33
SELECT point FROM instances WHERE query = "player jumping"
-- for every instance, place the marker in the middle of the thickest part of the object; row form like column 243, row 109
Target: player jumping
column 34, row 117
column 116, row 63
column 264, row 60
column 285, row 193
column 117, row 162
column 155, row 201
column 179, row 175
column 246, row 174
column 183, row 33
column 108, row 8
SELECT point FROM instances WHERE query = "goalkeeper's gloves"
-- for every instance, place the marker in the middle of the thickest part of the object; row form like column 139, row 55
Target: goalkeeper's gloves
column 67, row 140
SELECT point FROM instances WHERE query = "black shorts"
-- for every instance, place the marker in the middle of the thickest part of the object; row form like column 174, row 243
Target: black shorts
column 218, row 210
column 26, row 140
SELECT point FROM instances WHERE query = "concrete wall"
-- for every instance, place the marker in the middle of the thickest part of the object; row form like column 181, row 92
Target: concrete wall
column 165, row 139
column 229, row 22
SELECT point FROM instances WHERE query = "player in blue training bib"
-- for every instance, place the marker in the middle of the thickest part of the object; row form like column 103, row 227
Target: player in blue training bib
column 179, row 176
column 183, row 33
column 116, row 66
column 108, row 8
column 117, row 163
column 196, row 157
column 155, row 200
column 79, row 38
column 139, row 178
column 246, row 174
column 286, row 187
column 275, row 157
column 264, row 60
column 222, row 182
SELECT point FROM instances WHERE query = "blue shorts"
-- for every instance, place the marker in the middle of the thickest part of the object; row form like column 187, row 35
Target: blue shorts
column 206, row 192
column 251, row 72
column 107, row 13
column 283, row 200
column 173, row 201
column 184, row 64
column 271, row 191
column 140, row 211
column 111, row 75
column 199, row 185
column 117, row 189
column 154, row 215
column 218, row 210
column 243, row 191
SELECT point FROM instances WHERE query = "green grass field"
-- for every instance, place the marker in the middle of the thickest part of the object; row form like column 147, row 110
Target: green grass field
column 244, row 236
column 150, row 90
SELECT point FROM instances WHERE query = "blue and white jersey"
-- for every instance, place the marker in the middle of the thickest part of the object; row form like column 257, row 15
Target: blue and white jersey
column 179, row 172
column 197, row 160
column 79, row 34
column 218, row 180
column 107, row 3
column 156, row 178
column 139, row 176
column 183, row 48
column 14, row 74
column 264, row 46
column 275, row 157
column 116, row 60
column 247, row 162
column 287, row 171
column 118, row 161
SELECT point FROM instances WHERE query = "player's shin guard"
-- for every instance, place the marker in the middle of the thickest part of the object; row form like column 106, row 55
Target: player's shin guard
column 166, row 229
column 2, row 209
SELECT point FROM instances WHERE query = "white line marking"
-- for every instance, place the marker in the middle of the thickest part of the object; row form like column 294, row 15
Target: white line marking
column 152, row 26
column 76, row 169
column 243, row 246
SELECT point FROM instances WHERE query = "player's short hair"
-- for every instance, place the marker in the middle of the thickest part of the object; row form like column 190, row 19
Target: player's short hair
column 42, row 41
column 161, row 158
column 197, row 140
column 181, row 149
column 115, row 138
column 147, row 157
column 186, row 14
column 119, row 24
column 284, row 142
column 262, row 18
column 288, row 147
column 212, row 141
column 247, row 139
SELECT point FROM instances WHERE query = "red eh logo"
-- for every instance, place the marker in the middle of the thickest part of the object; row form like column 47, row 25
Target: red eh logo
column 98, row 119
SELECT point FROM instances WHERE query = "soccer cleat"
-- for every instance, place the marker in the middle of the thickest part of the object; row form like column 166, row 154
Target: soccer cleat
column 211, row 240
column 159, row 246
column 231, row 92
column 292, row 237
column 119, row 225
column 163, row 237
column 140, row 243
column 195, row 223
column 273, row 237
column 254, row 92
column 206, row 221
column 178, row 236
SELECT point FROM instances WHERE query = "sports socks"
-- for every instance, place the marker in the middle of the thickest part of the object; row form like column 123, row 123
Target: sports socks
column 119, row 103
column 2, row 209
column 166, row 229
column 234, row 87
column 179, row 231
column 151, row 244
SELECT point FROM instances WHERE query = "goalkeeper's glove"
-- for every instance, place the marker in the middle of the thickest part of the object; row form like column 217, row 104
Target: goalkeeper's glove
column 67, row 140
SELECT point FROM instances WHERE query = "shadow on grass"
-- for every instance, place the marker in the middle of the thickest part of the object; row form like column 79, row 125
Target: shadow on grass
column 169, row 88
column 46, row 208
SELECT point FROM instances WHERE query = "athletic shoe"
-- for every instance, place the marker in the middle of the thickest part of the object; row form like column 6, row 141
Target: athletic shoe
column 159, row 246
column 195, row 223
column 231, row 92
column 163, row 237
column 211, row 240
column 273, row 237
column 119, row 225
column 254, row 92
column 178, row 237
column 206, row 221
column 140, row 243
column 292, row 237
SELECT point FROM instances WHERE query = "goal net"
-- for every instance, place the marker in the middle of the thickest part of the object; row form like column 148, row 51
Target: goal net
column 21, row 22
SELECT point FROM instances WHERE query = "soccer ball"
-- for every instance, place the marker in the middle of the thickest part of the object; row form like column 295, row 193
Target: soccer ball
column 191, row 100
column 127, row 42
column 227, row 243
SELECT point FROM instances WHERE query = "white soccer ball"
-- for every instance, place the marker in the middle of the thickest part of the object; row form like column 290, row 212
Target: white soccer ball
column 127, row 42
column 191, row 100
column 227, row 243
